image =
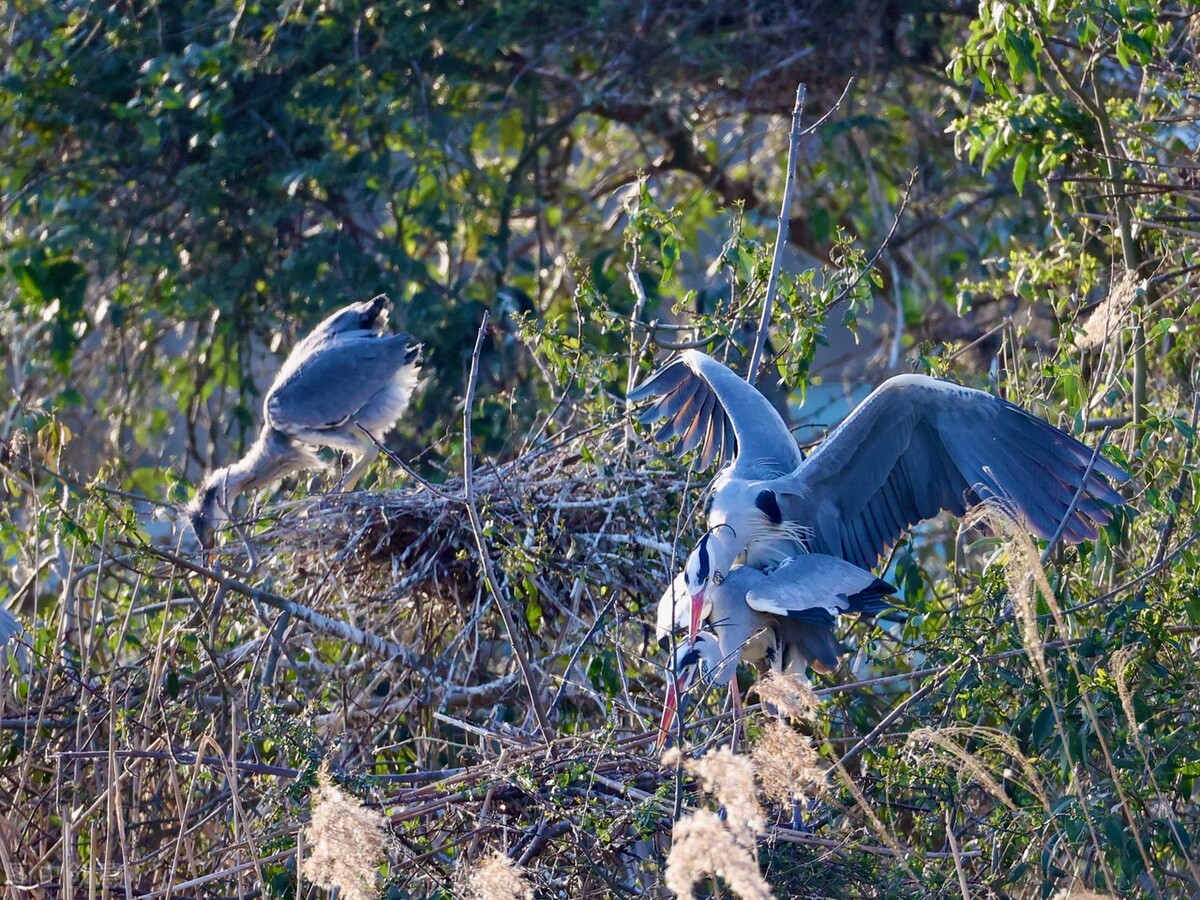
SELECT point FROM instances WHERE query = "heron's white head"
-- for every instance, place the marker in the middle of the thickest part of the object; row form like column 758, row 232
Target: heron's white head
column 702, row 657
column 709, row 563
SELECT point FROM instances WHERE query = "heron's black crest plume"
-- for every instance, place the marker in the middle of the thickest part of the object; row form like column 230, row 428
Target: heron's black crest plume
column 769, row 504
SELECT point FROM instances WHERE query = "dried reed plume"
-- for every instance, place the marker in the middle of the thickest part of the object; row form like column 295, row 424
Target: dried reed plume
column 498, row 878
column 1118, row 663
column 1110, row 315
column 344, row 842
column 704, row 845
column 1022, row 571
column 787, row 765
column 791, row 697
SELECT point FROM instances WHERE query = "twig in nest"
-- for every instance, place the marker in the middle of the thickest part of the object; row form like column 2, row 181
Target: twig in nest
column 343, row 630
column 408, row 470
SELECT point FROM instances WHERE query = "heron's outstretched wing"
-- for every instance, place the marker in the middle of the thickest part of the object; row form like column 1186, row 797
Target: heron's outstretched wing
column 919, row 445
column 337, row 379
column 710, row 409
column 812, row 587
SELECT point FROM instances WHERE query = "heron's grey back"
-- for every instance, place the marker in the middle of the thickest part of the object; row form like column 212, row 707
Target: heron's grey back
column 338, row 379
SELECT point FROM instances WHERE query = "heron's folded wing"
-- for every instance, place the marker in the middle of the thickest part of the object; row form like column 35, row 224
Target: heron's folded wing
column 713, row 411
column 812, row 586
column 339, row 377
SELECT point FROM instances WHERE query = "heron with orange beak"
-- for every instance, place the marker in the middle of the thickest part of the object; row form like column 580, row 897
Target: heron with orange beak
column 916, row 446
column 783, row 620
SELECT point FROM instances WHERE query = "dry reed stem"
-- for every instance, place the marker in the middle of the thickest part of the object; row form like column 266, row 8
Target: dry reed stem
column 1024, row 572
column 968, row 763
column 881, row 831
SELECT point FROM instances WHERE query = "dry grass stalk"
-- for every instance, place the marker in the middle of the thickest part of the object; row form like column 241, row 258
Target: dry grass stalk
column 498, row 878
column 970, row 764
column 881, row 831
column 703, row 845
column 1007, row 744
column 345, row 843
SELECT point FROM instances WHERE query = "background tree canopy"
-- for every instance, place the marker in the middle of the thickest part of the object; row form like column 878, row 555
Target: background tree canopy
column 1005, row 194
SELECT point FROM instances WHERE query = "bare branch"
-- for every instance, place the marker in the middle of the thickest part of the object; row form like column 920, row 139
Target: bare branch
column 764, row 323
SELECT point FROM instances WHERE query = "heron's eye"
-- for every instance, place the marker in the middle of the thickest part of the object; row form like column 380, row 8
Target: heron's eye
column 717, row 577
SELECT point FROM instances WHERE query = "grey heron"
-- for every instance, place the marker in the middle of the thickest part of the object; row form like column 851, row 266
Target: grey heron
column 783, row 618
column 348, row 372
column 916, row 446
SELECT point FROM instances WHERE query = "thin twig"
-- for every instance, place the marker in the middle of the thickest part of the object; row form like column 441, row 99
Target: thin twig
column 182, row 758
column 343, row 630
column 408, row 470
column 781, row 236
column 845, row 292
column 489, row 575
column 896, row 713
column 815, row 126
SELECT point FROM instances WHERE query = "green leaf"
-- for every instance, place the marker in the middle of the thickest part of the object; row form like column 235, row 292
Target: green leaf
column 1021, row 167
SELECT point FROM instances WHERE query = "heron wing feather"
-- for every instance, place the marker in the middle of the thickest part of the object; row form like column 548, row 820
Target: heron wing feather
column 918, row 445
column 755, row 437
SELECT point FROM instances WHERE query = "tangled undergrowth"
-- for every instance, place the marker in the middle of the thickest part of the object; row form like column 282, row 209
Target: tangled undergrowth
column 191, row 725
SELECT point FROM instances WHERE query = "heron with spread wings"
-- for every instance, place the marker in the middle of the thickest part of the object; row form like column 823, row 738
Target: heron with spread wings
column 916, row 446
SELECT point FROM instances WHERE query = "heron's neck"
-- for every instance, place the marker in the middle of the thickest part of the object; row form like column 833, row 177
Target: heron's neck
column 271, row 456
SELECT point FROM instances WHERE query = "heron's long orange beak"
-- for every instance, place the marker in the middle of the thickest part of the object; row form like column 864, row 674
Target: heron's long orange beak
column 697, row 612
column 670, row 705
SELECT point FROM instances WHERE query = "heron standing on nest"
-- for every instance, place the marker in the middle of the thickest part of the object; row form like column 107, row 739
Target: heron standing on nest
column 346, row 373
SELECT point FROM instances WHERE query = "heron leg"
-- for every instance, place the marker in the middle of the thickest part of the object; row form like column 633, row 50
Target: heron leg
column 736, row 694
column 367, row 456
column 798, row 816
